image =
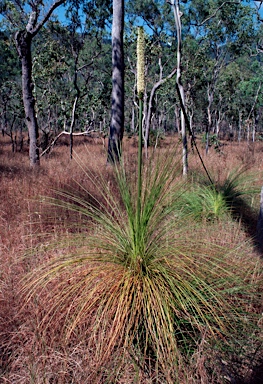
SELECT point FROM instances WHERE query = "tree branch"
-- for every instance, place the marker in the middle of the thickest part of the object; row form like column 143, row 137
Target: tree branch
column 153, row 91
column 258, row 8
column 216, row 11
column 55, row 5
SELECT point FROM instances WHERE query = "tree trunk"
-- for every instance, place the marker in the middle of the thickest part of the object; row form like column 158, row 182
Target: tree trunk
column 23, row 45
column 177, row 119
column 240, row 114
column 253, row 129
column 260, row 223
column 74, row 108
column 210, row 96
column 177, row 17
column 117, row 101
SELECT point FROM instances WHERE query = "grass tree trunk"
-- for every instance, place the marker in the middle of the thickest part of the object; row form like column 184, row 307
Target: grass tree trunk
column 23, row 45
column 117, row 106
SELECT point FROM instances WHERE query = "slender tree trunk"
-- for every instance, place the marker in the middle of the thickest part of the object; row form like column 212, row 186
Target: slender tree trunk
column 210, row 96
column 177, row 119
column 72, row 125
column 23, row 45
column 260, row 223
column 74, row 108
column 240, row 126
column 177, row 17
column 253, row 129
column 133, row 119
column 248, row 122
column 117, row 101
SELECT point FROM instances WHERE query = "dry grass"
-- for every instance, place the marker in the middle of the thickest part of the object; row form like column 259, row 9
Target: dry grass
column 29, row 227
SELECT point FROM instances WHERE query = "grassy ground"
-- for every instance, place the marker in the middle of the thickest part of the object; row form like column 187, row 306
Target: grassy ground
column 28, row 227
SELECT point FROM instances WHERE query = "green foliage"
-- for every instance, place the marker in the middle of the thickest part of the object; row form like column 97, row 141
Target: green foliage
column 11, row 109
column 9, row 63
column 238, row 189
column 222, row 199
column 203, row 202
column 213, row 141
column 54, row 74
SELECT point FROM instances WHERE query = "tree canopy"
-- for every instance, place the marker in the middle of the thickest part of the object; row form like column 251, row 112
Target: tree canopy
column 221, row 67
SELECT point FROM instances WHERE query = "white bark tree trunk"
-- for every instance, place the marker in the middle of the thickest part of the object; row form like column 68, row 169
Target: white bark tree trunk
column 177, row 17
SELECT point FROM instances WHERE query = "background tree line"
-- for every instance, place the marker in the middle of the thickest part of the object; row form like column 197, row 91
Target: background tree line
column 72, row 69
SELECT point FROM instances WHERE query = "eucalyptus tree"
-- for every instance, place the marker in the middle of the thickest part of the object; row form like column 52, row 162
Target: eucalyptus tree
column 194, row 79
column 73, row 82
column 76, row 36
column 250, row 96
column 86, row 40
column 160, row 81
column 228, row 103
column 27, row 18
column 224, row 31
column 51, row 64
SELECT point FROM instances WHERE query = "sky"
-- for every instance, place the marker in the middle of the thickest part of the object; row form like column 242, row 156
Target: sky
column 60, row 11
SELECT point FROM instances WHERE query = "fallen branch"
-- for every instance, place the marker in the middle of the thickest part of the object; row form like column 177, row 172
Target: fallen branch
column 63, row 133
